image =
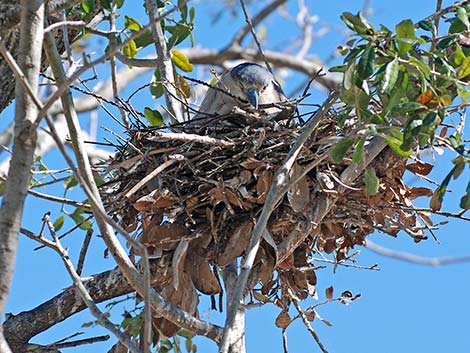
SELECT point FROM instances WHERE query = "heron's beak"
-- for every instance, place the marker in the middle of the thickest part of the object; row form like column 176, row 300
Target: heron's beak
column 252, row 94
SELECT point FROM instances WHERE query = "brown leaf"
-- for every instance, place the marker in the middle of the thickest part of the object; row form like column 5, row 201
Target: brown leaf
column 263, row 185
column 287, row 264
column 419, row 167
column 159, row 235
column 310, row 315
column 155, row 200
column 260, row 297
column 283, row 320
column 245, row 176
column 198, row 268
column 252, row 163
column 191, row 202
column 329, row 292
column 217, row 195
column 268, row 262
column 436, row 203
column 299, row 195
column 416, row 192
column 238, row 241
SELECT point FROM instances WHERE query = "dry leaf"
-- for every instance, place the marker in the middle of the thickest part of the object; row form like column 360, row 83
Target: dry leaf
column 260, row 297
column 419, row 167
column 283, row 320
column 299, row 195
column 237, row 243
column 329, row 293
column 416, row 192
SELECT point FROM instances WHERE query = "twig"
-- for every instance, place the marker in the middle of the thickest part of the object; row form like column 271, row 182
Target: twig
column 276, row 192
column 307, row 323
column 160, row 135
column 80, row 342
column 164, row 62
column 255, row 37
column 436, row 261
column 149, row 177
column 64, row 23
column 284, row 341
column 83, row 251
column 61, row 200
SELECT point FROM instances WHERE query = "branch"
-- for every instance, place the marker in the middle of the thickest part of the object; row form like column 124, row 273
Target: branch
column 436, row 261
column 203, row 56
column 16, row 186
column 164, row 63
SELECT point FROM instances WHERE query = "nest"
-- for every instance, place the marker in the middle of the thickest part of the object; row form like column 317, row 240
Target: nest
column 193, row 194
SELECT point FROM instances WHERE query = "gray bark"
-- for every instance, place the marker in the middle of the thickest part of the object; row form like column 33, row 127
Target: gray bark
column 16, row 185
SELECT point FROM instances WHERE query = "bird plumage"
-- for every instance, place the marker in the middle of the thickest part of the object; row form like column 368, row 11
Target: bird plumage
column 246, row 82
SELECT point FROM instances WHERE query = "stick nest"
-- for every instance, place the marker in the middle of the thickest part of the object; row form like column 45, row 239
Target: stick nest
column 193, row 203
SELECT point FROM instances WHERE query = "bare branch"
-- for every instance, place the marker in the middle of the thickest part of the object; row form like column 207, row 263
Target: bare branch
column 164, row 63
column 436, row 261
column 16, row 185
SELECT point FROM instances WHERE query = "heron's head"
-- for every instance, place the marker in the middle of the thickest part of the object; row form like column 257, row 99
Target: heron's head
column 252, row 80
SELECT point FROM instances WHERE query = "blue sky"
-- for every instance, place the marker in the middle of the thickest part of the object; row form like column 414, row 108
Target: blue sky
column 404, row 307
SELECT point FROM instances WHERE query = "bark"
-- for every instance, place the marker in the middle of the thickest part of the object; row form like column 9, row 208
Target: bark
column 16, row 185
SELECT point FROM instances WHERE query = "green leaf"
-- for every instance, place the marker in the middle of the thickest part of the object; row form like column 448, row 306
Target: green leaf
column 178, row 33
column 79, row 219
column 130, row 49
column 181, row 61
column 88, row 6
column 445, row 43
column 185, row 333
column 183, row 7
column 457, row 142
column 398, row 93
column 371, row 181
column 189, row 345
column 132, row 24
column 405, row 36
column 119, row 3
column 391, row 76
column 59, row 222
column 427, row 26
column 464, row 69
column 144, row 39
column 459, row 166
column 465, row 200
column 338, row 68
column 348, row 77
column 153, row 117
column 366, row 64
column 359, row 152
column 462, row 16
column 192, row 13
column 340, row 149
column 106, row 4
column 395, row 142
column 356, row 22
column 70, row 183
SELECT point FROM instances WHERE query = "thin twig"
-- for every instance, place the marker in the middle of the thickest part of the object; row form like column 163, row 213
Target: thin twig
column 436, row 261
column 255, row 37
column 307, row 323
column 83, row 251
column 80, row 342
column 160, row 135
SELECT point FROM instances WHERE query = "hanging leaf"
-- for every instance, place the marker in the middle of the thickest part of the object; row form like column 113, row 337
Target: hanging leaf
column 181, row 61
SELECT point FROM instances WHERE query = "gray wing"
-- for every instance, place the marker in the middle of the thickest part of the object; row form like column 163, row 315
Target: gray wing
column 215, row 101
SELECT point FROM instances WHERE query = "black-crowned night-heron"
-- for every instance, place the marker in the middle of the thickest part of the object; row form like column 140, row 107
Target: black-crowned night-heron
column 249, row 82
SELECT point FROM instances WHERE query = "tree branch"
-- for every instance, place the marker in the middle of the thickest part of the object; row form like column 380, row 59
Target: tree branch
column 16, row 186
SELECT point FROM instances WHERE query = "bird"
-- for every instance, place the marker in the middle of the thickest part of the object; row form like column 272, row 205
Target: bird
column 246, row 85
